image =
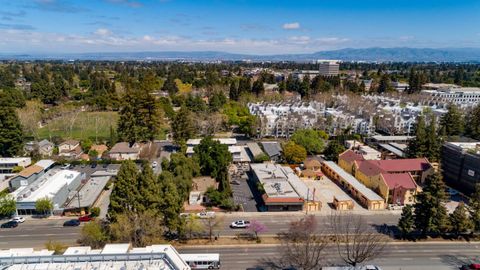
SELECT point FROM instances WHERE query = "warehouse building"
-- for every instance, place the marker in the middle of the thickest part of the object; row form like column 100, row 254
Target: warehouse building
column 112, row 256
column 54, row 185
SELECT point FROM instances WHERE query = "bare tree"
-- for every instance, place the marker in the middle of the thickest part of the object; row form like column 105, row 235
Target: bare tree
column 212, row 223
column 302, row 246
column 356, row 241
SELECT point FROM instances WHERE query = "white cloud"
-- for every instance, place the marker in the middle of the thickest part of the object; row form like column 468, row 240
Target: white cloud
column 103, row 32
column 291, row 26
column 300, row 39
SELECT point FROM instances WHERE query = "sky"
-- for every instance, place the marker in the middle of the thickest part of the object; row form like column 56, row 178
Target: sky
column 236, row 26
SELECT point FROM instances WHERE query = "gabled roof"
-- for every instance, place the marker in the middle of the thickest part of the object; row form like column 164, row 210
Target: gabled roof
column 70, row 142
column 310, row 163
column 27, row 172
column 369, row 167
column 350, row 156
column 124, row 147
column 395, row 180
column 404, row 165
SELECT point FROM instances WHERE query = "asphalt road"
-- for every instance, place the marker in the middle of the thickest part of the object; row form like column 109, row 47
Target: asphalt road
column 36, row 232
column 398, row 256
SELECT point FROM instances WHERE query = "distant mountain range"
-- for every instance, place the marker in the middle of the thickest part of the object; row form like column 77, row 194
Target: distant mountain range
column 368, row 54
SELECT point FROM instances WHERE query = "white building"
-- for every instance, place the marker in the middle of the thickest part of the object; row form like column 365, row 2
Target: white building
column 112, row 256
column 54, row 185
column 461, row 96
column 7, row 165
column 328, row 67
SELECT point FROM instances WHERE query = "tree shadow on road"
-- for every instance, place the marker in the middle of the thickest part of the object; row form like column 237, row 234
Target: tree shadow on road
column 456, row 261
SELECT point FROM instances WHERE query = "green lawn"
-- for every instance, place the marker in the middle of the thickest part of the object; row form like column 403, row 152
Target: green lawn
column 84, row 125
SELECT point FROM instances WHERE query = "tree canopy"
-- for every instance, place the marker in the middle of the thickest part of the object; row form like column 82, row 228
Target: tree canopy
column 312, row 140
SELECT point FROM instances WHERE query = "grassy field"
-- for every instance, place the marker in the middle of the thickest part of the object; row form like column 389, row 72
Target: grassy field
column 82, row 126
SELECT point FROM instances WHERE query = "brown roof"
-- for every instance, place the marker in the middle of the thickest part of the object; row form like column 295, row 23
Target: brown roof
column 27, row 172
column 309, row 163
column 369, row 167
column 309, row 173
column 100, row 148
column 203, row 183
column 267, row 199
column 70, row 142
column 350, row 156
column 124, row 147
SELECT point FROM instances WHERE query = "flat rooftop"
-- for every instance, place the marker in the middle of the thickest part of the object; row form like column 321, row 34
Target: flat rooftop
column 15, row 160
column 47, row 185
column 88, row 193
column 228, row 141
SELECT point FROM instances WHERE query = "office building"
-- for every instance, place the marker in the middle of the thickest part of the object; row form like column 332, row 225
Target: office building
column 461, row 165
column 328, row 68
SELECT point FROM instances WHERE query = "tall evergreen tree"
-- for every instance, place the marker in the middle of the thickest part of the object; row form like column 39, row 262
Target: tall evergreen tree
column 125, row 196
column 385, row 84
column 452, row 123
column 417, row 147
column 148, row 189
column 170, row 86
column 433, row 143
column 11, row 133
column 233, row 93
column 474, row 208
column 258, row 88
column 430, row 212
column 183, row 127
column 406, row 221
column 127, row 127
column 171, row 203
column 459, row 220
column 473, row 123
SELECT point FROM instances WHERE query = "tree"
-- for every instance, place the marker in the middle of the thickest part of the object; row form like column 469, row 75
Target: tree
column 356, row 241
column 57, row 247
column 127, row 129
column 170, row 86
column 44, row 206
column 417, row 147
column 212, row 224
column 407, row 220
column 459, row 220
column 311, row 140
column 474, row 208
column 93, row 234
column 148, row 189
column 95, row 211
column 294, row 153
column 472, row 127
column 433, row 142
column 333, row 149
column 301, row 246
column 183, row 127
column 385, row 84
column 11, row 133
column 257, row 227
column 8, row 205
column 171, row 204
column 233, row 93
column 257, row 87
column 193, row 225
column 140, row 229
column 125, row 196
column 451, row 123
column 214, row 159
column 430, row 212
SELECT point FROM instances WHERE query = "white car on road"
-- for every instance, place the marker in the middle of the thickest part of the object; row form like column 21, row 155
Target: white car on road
column 18, row 219
column 240, row 224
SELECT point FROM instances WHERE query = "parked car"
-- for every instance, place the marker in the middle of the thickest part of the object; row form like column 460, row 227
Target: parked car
column 94, row 165
column 10, row 224
column 18, row 219
column 71, row 223
column 66, row 166
column 470, row 266
column 154, row 164
column 105, row 165
column 452, row 192
column 240, row 224
column 206, row 214
column 85, row 218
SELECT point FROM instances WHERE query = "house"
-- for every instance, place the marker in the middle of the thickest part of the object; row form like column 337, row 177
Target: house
column 70, row 149
column 123, row 151
column 273, row 150
column 100, row 149
column 347, row 159
column 31, row 173
column 313, row 164
column 200, row 185
column 398, row 188
column 45, row 148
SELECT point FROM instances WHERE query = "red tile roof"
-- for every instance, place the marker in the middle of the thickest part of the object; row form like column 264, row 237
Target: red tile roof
column 404, row 165
column 394, row 180
column 369, row 167
column 351, row 156
column 267, row 199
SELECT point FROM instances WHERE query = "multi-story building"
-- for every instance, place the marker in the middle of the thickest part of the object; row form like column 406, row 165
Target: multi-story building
column 328, row 67
column 461, row 96
column 461, row 165
column 31, row 173
column 8, row 164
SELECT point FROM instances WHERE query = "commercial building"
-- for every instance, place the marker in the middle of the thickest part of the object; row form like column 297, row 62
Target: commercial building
column 282, row 189
column 55, row 185
column 79, row 201
column 461, row 165
column 365, row 196
column 273, row 150
column 31, row 173
column 461, row 96
column 112, row 256
column 255, row 150
column 328, row 67
column 7, row 166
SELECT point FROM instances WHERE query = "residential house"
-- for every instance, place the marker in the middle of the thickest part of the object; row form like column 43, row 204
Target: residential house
column 45, row 148
column 273, row 150
column 123, row 151
column 70, row 149
column 31, row 173
column 100, row 149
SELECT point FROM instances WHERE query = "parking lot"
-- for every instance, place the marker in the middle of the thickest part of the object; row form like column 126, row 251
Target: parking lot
column 242, row 194
column 88, row 169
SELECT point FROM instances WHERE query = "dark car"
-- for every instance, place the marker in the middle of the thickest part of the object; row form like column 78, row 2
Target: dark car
column 71, row 223
column 105, row 165
column 10, row 224
column 85, row 218
column 94, row 165
column 471, row 266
